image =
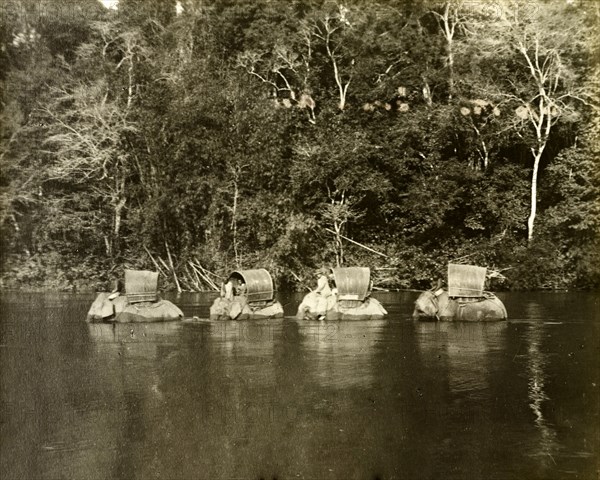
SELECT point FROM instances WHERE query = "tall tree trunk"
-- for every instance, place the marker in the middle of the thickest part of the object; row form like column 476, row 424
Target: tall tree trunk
column 448, row 21
column 117, row 226
column 119, row 205
column 19, row 236
column 543, row 117
column 483, row 152
column 537, row 155
column 342, row 87
column 339, row 247
column 107, row 246
column 450, row 63
column 236, row 194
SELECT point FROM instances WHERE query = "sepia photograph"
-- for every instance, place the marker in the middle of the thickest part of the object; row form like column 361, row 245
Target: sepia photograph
column 300, row 239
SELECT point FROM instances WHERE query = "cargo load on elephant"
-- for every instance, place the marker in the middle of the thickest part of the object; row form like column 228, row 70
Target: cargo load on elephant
column 349, row 298
column 464, row 300
column 138, row 303
column 247, row 295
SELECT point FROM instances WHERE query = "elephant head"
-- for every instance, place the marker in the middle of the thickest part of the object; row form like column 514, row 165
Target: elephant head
column 426, row 306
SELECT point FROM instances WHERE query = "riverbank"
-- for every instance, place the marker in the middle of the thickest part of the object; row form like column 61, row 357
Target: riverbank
column 92, row 286
column 521, row 268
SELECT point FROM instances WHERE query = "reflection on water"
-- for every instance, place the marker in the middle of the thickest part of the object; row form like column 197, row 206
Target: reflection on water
column 466, row 349
column 390, row 398
column 464, row 360
column 343, row 351
column 536, row 361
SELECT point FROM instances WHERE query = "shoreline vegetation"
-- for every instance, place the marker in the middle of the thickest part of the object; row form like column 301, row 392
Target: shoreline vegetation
column 195, row 138
column 386, row 279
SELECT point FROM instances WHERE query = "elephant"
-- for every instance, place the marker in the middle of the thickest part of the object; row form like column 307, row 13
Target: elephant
column 251, row 297
column 118, row 309
column 137, row 302
column 437, row 305
column 350, row 299
column 238, row 308
column 315, row 307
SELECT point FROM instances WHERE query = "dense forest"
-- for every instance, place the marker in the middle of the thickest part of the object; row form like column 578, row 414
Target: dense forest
column 200, row 136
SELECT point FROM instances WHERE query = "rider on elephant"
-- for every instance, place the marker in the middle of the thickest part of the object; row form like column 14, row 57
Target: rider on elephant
column 323, row 287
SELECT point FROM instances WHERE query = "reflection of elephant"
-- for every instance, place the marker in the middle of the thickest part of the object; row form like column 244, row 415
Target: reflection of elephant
column 108, row 309
column 330, row 345
column 314, row 306
column 439, row 306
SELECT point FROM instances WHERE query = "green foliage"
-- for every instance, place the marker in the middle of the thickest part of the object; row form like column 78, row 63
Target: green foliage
column 573, row 217
column 539, row 265
column 259, row 134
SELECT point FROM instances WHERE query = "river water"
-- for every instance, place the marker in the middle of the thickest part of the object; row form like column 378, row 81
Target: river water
column 293, row 399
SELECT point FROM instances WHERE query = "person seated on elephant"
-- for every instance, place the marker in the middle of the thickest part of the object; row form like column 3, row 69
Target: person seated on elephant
column 116, row 290
column 332, row 284
column 240, row 293
column 369, row 291
column 227, row 290
column 323, row 288
column 322, row 292
column 241, row 289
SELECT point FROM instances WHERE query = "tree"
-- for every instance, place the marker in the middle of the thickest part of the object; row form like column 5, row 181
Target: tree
column 544, row 88
column 89, row 125
column 34, row 43
column 260, row 133
column 338, row 211
column 334, row 176
column 327, row 27
column 449, row 19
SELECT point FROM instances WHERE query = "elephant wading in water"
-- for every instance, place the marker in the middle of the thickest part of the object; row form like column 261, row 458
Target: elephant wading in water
column 247, row 295
column 139, row 303
column 349, row 300
column 437, row 305
column 464, row 301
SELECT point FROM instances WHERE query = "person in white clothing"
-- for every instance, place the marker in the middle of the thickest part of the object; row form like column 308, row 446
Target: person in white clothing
column 227, row 290
column 323, row 291
column 323, row 287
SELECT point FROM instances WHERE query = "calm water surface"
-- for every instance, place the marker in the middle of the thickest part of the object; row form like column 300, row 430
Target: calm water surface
column 295, row 399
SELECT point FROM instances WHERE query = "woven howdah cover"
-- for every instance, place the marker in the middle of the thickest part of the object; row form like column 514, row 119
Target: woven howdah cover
column 466, row 280
column 141, row 286
column 352, row 282
column 259, row 284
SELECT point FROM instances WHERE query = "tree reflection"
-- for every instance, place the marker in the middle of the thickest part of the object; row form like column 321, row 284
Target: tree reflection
column 537, row 361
